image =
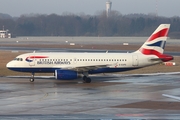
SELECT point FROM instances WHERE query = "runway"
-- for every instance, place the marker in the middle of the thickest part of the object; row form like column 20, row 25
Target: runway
column 30, row 49
column 80, row 40
column 39, row 44
column 110, row 96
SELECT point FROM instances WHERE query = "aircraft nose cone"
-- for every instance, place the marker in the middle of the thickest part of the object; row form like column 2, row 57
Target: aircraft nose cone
column 9, row 64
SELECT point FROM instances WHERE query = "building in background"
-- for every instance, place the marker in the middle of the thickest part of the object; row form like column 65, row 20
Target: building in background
column 5, row 33
column 108, row 8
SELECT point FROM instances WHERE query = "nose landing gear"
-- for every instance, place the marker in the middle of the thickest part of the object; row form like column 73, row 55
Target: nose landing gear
column 32, row 78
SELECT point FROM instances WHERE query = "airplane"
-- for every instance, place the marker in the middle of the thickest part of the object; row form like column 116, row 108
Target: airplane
column 69, row 66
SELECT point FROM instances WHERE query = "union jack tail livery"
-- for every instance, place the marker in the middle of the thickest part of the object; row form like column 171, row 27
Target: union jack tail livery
column 156, row 43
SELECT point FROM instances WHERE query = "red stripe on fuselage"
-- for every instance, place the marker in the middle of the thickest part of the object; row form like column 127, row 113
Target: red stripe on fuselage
column 38, row 57
column 162, row 33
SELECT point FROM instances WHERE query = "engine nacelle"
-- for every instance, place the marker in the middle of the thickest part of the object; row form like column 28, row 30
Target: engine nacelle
column 65, row 74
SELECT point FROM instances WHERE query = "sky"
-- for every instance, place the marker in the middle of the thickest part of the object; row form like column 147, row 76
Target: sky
column 15, row 8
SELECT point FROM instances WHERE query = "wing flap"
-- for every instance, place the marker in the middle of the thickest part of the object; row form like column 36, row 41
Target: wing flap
column 87, row 68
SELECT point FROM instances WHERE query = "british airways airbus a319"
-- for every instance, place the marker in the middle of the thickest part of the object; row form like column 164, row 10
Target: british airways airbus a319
column 68, row 66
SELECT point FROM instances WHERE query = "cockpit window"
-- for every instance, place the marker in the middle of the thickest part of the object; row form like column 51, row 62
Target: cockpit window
column 18, row 59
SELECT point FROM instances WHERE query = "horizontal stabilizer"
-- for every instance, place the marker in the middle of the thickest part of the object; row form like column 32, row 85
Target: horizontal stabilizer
column 156, row 59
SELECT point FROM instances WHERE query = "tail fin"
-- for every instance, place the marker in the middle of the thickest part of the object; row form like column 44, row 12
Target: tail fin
column 156, row 43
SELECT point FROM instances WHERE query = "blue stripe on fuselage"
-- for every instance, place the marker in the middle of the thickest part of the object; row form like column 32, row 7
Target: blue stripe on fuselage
column 51, row 70
column 35, row 70
column 109, row 70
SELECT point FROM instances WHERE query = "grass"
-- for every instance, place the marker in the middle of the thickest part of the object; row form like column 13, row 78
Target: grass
column 6, row 56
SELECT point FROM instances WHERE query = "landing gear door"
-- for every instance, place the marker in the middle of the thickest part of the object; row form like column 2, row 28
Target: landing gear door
column 135, row 61
column 31, row 60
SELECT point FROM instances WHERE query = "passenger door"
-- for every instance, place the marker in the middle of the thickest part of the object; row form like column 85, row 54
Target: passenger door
column 32, row 60
column 135, row 61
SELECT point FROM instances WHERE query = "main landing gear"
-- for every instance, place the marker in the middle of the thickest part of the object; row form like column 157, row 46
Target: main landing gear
column 86, row 79
column 32, row 78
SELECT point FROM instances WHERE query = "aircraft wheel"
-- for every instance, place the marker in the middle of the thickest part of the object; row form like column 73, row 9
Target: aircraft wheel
column 31, row 79
column 86, row 79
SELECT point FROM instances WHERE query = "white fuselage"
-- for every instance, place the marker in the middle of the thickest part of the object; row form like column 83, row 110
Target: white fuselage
column 49, row 62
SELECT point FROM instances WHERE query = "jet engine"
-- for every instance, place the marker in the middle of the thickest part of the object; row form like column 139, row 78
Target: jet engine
column 65, row 74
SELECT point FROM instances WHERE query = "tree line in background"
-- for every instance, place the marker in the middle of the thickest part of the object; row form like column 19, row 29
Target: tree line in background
column 85, row 25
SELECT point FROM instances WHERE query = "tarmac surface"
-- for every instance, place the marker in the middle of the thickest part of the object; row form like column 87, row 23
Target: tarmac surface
column 110, row 96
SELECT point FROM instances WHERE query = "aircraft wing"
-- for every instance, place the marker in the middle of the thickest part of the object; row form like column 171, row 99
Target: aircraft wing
column 171, row 96
column 91, row 67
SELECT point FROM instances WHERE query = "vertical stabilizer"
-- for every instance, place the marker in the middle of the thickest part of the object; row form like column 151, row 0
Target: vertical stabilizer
column 157, row 41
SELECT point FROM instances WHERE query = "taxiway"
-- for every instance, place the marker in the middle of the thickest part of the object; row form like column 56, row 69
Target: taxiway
column 109, row 96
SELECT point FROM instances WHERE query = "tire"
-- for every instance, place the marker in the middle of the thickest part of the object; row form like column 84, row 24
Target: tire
column 88, row 80
column 31, row 80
